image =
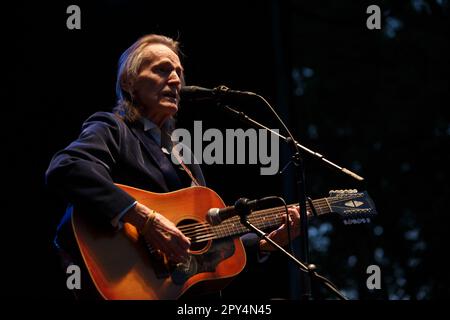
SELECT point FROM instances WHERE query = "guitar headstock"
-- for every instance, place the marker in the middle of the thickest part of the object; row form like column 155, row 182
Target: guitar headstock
column 352, row 206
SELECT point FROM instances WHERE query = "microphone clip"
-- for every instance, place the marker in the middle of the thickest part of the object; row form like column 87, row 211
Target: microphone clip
column 224, row 91
column 243, row 207
column 220, row 89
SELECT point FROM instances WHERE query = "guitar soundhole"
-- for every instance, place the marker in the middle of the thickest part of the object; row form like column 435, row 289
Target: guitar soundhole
column 197, row 231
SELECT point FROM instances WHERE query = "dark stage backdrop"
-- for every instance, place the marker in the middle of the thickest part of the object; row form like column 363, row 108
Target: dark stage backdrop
column 370, row 100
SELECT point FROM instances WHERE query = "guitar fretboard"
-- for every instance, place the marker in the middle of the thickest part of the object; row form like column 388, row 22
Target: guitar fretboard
column 262, row 219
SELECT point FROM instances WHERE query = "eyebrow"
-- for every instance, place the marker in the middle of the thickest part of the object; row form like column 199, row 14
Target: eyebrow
column 165, row 60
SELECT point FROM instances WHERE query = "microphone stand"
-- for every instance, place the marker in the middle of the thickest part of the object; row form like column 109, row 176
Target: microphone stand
column 244, row 118
column 305, row 281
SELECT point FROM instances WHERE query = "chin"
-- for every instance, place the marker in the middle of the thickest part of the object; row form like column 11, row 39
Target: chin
column 173, row 108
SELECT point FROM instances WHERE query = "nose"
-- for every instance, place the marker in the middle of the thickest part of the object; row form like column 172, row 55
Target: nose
column 174, row 78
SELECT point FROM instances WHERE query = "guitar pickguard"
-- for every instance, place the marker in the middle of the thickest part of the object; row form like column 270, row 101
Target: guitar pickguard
column 205, row 262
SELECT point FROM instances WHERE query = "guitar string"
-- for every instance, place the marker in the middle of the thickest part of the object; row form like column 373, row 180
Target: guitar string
column 264, row 212
column 204, row 232
column 235, row 229
column 259, row 214
column 267, row 218
column 319, row 204
column 219, row 231
column 215, row 235
column 199, row 226
column 224, row 227
column 191, row 232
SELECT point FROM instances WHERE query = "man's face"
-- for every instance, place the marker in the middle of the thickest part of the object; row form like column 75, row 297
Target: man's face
column 157, row 86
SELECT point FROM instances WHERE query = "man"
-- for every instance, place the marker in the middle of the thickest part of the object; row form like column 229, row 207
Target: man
column 131, row 147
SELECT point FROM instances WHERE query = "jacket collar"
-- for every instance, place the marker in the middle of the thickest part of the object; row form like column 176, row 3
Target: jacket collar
column 167, row 175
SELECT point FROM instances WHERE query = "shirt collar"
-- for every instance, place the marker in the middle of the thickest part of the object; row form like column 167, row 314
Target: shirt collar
column 151, row 128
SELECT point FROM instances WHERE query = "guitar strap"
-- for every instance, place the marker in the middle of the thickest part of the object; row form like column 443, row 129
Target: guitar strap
column 185, row 167
column 179, row 159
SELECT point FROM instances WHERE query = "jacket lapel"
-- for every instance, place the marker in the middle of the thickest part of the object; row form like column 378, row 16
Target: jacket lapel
column 167, row 175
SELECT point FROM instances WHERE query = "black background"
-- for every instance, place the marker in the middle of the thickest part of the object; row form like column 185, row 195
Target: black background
column 371, row 100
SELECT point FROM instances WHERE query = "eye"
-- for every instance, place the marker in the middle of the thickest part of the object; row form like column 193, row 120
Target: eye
column 162, row 69
column 165, row 69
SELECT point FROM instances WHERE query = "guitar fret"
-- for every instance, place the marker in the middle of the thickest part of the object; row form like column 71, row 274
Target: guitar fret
column 319, row 207
column 328, row 204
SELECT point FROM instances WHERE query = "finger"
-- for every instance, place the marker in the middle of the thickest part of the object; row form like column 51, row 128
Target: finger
column 175, row 232
column 295, row 215
column 280, row 228
column 285, row 220
column 180, row 245
column 295, row 212
column 176, row 247
column 184, row 241
column 174, row 235
column 163, row 242
column 170, row 240
column 180, row 239
column 273, row 234
column 174, row 252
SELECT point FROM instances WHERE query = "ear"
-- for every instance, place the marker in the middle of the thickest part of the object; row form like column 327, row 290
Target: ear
column 127, row 85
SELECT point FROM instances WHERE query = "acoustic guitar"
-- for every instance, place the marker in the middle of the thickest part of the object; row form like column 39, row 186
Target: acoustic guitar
column 122, row 266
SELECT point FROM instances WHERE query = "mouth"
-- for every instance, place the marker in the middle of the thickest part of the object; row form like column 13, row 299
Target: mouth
column 170, row 96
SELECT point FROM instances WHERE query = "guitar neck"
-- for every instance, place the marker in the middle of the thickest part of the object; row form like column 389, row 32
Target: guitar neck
column 265, row 219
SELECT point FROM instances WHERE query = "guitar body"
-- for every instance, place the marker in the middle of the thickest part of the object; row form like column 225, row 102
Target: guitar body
column 123, row 267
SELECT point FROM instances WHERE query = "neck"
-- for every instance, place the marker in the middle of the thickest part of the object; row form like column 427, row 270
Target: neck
column 158, row 119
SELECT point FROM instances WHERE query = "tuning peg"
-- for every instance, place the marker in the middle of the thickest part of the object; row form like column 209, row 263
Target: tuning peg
column 336, row 193
column 342, row 192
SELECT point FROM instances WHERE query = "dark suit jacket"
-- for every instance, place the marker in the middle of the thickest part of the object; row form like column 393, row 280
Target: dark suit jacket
column 110, row 150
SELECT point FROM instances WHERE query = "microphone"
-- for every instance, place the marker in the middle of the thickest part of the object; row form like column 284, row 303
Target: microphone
column 195, row 93
column 242, row 207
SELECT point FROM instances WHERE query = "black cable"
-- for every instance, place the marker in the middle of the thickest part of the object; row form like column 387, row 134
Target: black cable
column 287, row 218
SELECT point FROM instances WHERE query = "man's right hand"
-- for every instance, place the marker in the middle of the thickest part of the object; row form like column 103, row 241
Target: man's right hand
column 162, row 234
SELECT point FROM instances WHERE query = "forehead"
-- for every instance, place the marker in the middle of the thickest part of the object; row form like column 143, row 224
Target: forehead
column 156, row 52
